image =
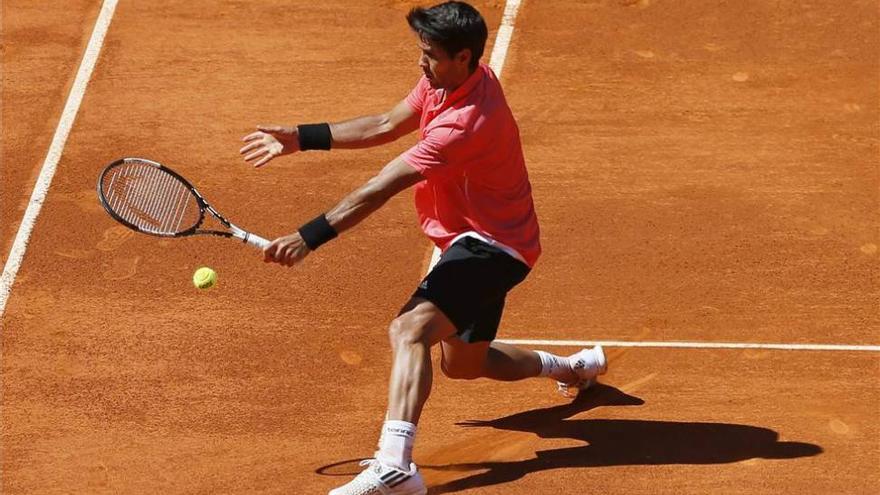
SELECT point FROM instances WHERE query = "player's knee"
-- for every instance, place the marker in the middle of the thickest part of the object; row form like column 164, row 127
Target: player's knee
column 406, row 330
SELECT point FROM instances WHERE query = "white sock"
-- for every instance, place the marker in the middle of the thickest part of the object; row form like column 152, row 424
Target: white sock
column 556, row 367
column 381, row 435
column 396, row 444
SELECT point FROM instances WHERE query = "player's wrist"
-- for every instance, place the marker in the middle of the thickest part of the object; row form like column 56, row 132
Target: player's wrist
column 314, row 136
column 317, row 232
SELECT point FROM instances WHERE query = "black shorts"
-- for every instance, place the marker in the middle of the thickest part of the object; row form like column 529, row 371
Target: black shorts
column 469, row 285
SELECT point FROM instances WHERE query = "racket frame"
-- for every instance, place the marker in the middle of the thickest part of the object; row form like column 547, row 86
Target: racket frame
column 233, row 232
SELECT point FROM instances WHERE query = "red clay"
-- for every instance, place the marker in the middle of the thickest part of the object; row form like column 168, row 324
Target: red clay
column 42, row 48
column 700, row 174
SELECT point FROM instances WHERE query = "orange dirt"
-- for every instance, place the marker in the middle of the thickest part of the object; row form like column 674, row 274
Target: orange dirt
column 700, row 173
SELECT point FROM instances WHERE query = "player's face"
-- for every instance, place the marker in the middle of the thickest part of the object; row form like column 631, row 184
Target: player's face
column 443, row 71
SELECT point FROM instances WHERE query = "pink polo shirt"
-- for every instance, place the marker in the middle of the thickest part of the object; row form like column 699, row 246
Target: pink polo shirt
column 470, row 153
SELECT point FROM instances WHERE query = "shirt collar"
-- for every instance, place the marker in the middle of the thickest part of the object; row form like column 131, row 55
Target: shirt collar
column 466, row 87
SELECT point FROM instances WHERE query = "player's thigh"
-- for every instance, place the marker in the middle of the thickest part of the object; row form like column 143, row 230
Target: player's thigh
column 420, row 320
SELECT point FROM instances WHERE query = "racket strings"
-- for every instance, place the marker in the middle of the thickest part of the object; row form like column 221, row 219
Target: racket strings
column 150, row 198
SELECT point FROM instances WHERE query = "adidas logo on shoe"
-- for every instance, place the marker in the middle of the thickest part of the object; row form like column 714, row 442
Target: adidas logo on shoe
column 380, row 479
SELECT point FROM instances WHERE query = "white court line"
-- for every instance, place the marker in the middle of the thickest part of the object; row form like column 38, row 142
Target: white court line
column 694, row 345
column 505, row 34
column 41, row 188
column 496, row 63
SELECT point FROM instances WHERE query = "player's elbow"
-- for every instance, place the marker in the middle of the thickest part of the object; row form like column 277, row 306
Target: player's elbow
column 385, row 125
column 376, row 192
column 385, row 130
column 395, row 177
column 391, row 127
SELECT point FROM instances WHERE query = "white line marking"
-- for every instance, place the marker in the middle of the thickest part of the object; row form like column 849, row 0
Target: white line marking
column 505, row 34
column 496, row 63
column 694, row 345
column 41, row 188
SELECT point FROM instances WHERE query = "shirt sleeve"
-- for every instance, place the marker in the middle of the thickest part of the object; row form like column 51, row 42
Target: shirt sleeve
column 416, row 97
column 437, row 154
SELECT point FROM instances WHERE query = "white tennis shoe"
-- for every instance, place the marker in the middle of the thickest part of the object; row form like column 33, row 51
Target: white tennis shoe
column 588, row 364
column 380, row 479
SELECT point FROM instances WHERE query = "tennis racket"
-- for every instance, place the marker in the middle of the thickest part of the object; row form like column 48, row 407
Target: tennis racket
column 148, row 197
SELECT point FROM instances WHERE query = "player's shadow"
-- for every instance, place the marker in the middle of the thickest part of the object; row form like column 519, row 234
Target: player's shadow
column 611, row 442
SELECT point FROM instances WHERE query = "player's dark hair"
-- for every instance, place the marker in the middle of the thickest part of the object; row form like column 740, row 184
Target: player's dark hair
column 453, row 26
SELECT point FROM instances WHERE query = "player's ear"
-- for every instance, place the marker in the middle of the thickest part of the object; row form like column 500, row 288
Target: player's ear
column 463, row 56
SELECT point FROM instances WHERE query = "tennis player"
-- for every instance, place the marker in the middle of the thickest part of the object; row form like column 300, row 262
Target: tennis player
column 474, row 201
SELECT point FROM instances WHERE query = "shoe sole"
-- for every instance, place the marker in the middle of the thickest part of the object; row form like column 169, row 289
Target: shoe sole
column 417, row 491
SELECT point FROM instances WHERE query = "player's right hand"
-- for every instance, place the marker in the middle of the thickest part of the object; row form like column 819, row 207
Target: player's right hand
column 268, row 142
column 287, row 251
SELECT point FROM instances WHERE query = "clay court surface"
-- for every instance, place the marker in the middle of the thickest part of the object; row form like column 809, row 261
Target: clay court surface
column 704, row 172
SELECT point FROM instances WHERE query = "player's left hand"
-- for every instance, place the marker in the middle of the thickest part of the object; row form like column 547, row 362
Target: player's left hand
column 268, row 142
column 288, row 250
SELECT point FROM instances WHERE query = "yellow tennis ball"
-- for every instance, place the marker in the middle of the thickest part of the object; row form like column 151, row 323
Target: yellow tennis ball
column 205, row 278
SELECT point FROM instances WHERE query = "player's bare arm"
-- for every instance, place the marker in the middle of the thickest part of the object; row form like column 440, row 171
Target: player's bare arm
column 270, row 141
column 375, row 130
column 354, row 208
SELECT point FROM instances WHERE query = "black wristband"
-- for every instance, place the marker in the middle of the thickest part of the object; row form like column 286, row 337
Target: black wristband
column 314, row 136
column 317, row 232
